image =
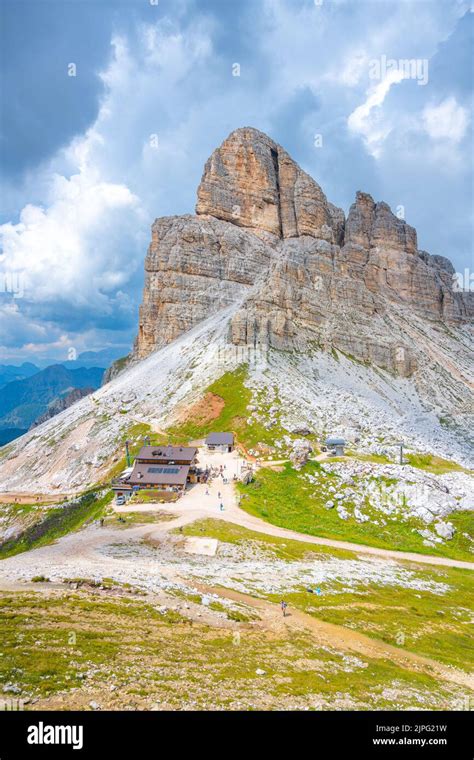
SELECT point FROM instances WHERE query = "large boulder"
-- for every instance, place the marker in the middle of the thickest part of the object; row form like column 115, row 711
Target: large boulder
column 300, row 453
column 445, row 530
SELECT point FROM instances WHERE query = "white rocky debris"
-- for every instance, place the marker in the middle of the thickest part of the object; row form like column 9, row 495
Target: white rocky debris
column 395, row 491
column 247, row 568
column 319, row 392
column 445, row 530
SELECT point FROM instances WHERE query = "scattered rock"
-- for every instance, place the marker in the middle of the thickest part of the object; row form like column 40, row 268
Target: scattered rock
column 445, row 530
column 9, row 687
column 300, row 453
column 301, row 431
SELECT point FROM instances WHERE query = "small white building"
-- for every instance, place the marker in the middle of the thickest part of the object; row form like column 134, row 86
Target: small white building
column 223, row 442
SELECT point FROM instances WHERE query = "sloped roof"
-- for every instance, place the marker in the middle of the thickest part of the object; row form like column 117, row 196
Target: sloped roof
column 335, row 442
column 216, row 439
column 159, row 474
column 167, row 453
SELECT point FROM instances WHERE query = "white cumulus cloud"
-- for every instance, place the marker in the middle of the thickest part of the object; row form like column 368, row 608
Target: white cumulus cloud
column 368, row 120
column 69, row 249
column 446, row 121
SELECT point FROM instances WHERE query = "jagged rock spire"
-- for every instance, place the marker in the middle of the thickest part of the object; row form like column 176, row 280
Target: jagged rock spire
column 252, row 182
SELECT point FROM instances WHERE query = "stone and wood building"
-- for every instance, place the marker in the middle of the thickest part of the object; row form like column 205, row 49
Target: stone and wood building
column 161, row 469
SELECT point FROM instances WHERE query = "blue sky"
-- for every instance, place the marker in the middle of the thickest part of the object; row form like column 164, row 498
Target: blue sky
column 89, row 161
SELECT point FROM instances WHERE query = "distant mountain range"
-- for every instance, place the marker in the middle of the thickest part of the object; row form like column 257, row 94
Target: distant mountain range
column 103, row 358
column 10, row 372
column 34, row 395
column 31, row 394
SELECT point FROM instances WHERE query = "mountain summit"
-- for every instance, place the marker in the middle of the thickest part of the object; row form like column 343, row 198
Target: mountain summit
column 265, row 236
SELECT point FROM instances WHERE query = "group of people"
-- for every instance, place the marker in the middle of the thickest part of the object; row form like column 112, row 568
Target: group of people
column 219, row 496
column 216, row 472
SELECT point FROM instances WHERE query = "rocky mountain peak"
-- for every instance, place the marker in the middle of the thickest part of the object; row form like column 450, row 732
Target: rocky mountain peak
column 346, row 322
column 266, row 240
column 252, row 182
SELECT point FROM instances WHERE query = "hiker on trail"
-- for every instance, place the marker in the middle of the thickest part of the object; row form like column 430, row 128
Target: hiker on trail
column 283, row 607
column 222, row 507
column 218, row 494
column 101, row 522
column 207, row 491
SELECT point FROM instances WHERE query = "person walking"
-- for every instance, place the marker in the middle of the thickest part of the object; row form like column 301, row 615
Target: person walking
column 284, row 606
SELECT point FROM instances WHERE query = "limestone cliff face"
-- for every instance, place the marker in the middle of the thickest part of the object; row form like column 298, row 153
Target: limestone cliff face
column 395, row 267
column 252, row 182
column 266, row 238
column 371, row 224
column 195, row 266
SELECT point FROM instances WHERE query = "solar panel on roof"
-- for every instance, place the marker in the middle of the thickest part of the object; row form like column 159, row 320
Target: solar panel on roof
column 164, row 470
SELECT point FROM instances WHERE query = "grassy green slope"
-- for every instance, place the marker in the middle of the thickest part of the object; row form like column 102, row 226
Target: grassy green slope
column 286, row 499
column 235, row 414
column 56, row 523
column 65, row 650
column 427, row 623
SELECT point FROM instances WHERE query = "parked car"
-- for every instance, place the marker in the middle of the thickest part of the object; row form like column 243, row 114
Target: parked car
column 120, row 500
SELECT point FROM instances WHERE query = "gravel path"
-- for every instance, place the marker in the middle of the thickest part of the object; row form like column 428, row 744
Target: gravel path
column 339, row 637
column 115, row 552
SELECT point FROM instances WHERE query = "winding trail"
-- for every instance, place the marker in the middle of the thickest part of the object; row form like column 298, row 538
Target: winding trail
column 80, row 554
column 234, row 514
column 239, row 517
column 342, row 638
